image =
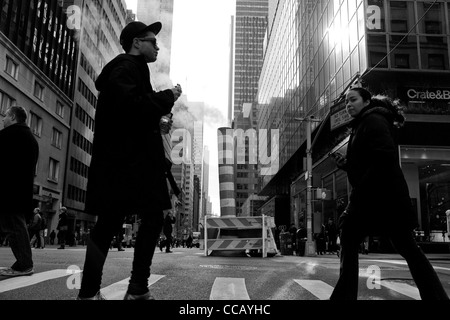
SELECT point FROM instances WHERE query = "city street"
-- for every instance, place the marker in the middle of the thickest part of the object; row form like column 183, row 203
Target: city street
column 186, row 274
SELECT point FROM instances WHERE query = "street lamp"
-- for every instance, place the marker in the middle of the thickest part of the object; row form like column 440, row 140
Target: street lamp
column 309, row 249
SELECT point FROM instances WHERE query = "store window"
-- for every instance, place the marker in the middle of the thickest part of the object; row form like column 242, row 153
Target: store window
column 427, row 172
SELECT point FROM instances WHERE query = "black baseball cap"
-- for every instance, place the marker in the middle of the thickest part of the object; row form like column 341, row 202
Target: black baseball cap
column 135, row 28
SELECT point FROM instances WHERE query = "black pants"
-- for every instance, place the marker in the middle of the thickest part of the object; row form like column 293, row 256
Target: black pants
column 107, row 226
column 422, row 271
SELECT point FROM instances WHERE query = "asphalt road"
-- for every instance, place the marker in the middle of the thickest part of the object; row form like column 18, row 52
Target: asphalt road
column 188, row 276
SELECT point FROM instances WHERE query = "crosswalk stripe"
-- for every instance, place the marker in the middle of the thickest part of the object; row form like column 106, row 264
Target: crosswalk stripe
column 117, row 290
column 229, row 289
column 24, row 281
column 402, row 288
column 318, row 288
column 404, row 263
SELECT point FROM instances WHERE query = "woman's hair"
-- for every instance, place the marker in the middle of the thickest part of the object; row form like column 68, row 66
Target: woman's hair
column 393, row 105
column 364, row 93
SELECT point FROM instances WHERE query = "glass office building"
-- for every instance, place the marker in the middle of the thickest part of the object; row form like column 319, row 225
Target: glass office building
column 315, row 51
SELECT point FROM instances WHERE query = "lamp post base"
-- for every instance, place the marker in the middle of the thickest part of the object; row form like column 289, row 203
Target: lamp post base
column 310, row 249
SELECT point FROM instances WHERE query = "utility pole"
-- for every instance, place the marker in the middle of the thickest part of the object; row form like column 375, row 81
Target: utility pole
column 310, row 247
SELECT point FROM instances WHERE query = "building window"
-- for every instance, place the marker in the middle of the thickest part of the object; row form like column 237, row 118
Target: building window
column 36, row 124
column 401, row 61
column 53, row 170
column 56, row 138
column 400, row 26
column 436, row 62
column 39, row 91
column 5, row 102
column 60, row 109
column 12, row 68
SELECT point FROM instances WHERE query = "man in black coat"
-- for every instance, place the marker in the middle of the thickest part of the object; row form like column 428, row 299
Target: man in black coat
column 18, row 164
column 127, row 170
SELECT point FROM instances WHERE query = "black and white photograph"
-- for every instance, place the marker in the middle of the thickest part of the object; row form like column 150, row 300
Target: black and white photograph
column 225, row 158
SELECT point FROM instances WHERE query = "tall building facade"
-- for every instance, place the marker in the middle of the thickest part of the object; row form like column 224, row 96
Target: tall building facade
column 315, row 51
column 245, row 154
column 250, row 30
column 205, row 184
column 38, row 58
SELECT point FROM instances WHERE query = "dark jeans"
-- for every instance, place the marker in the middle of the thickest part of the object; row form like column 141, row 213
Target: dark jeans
column 107, row 226
column 15, row 226
column 422, row 271
column 38, row 240
column 62, row 235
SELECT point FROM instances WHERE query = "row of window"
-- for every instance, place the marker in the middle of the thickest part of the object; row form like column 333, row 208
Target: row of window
column 12, row 68
column 87, row 93
column 78, row 167
column 34, row 121
column 84, row 117
column 81, row 142
column 53, row 170
column 84, row 63
column 76, row 194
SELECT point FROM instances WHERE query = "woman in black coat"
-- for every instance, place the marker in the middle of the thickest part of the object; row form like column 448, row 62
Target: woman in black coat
column 379, row 201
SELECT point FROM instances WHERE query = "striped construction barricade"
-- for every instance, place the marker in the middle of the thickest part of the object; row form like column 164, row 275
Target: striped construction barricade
column 239, row 234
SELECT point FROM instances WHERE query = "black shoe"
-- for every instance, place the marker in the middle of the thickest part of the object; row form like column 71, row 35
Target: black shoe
column 120, row 249
column 168, row 251
column 145, row 296
column 10, row 272
column 98, row 296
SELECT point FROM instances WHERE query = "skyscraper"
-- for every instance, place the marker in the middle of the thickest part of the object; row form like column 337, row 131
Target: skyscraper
column 250, row 30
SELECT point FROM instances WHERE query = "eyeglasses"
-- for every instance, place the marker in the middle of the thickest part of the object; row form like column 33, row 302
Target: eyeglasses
column 152, row 40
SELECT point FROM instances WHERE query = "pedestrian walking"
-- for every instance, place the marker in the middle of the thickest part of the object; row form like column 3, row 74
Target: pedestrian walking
column 293, row 231
column 127, row 170
column 167, row 230
column 119, row 239
column 20, row 152
column 331, row 236
column 321, row 244
column 379, row 201
column 35, row 230
column 63, row 227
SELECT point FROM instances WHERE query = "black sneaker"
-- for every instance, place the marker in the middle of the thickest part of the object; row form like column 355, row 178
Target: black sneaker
column 145, row 296
column 98, row 296
column 10, row 272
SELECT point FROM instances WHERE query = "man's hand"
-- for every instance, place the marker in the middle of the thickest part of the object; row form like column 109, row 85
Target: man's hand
column 339, row 159
column 176, row 201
